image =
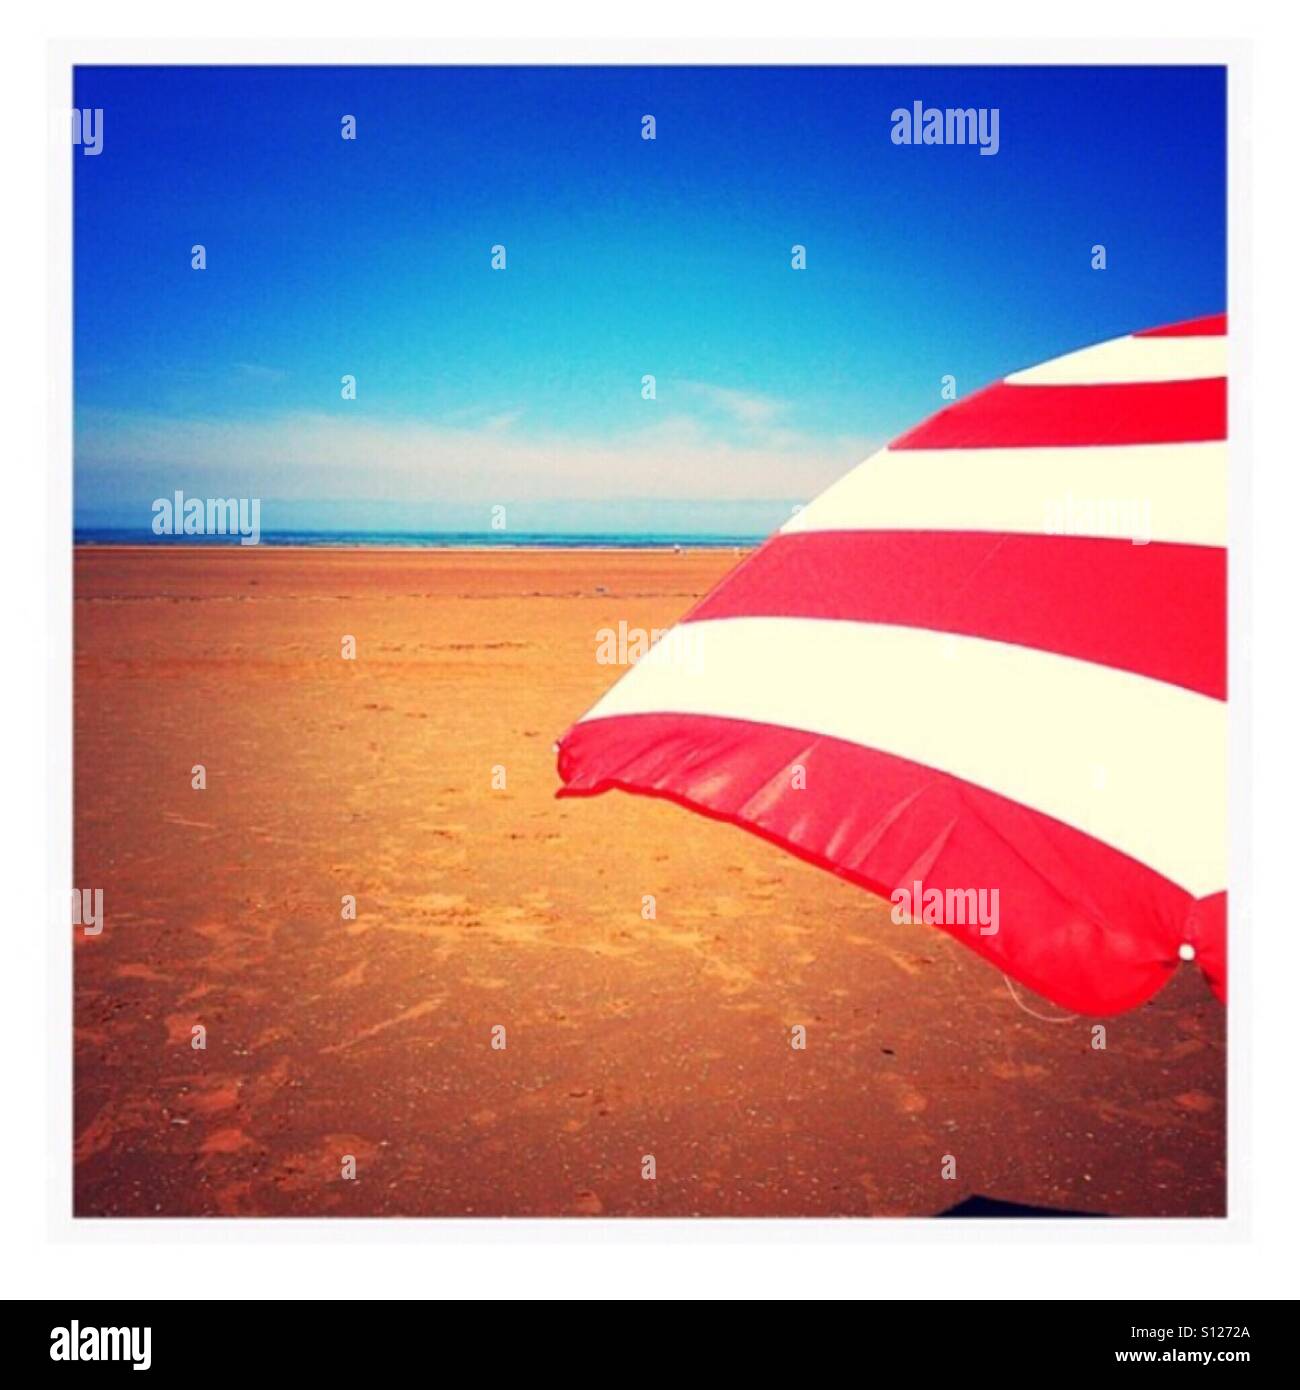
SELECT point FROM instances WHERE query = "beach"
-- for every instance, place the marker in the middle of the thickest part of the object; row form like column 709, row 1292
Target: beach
column 417, row 778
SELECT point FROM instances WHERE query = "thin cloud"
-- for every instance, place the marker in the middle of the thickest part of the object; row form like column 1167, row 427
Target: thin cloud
column 330, row 456
column 745, row 407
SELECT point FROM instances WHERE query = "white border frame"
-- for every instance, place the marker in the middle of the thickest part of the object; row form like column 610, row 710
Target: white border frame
column 350, row 1232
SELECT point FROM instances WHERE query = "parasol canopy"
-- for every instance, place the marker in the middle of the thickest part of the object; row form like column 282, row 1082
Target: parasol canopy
column 991, row 657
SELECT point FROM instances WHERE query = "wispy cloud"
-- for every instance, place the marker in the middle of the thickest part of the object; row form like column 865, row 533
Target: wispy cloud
column 744, row 407
column 673, row 455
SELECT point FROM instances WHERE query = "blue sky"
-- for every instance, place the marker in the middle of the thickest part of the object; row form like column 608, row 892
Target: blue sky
column 625, row 257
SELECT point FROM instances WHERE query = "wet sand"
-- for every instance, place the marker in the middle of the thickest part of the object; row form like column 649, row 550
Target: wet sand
column 482, row 907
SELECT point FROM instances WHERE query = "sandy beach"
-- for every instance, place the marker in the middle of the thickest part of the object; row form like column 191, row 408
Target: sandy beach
column 482, row 907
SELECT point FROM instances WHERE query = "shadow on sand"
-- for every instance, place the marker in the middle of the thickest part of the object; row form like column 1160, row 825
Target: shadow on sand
column 991, row 1206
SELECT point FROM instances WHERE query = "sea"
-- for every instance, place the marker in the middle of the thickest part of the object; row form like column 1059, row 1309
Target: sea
column 434, row 540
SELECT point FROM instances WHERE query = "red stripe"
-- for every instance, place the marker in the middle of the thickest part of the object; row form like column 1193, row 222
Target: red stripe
column 1079, row 922
column 1213, row 326
column 1002, row 416
column 1159, row 610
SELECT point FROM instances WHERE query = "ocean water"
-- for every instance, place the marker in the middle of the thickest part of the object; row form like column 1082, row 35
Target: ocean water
column 430, row 540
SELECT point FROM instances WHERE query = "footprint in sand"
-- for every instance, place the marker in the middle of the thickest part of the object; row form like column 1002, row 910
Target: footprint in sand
column 1018, row 1071
column 211, row 1097
column 180, row 1027
column 352, row 977
column 226, row 1141
column 317, row 1171
column 139, row 971
column 96, row 1137
column 905, row 961
column 907, row 1099
column 734, row 977
column 236, row 1199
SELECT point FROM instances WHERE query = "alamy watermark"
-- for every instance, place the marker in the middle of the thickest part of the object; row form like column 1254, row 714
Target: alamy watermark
column 1124, row 518
column 949, row 125
column 87, row 909
column 947, row 907
column 208, row 516
column 629, row 646
column 86, row 124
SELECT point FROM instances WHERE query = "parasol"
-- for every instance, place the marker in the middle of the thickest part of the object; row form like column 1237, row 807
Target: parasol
column 991, row 657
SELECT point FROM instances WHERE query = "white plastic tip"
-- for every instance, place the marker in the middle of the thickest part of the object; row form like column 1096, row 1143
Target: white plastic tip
column 1187, row 951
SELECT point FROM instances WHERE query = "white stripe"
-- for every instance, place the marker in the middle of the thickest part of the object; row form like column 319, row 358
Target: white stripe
column 1157, row 492
column 1133, row 762
column 1127, row 360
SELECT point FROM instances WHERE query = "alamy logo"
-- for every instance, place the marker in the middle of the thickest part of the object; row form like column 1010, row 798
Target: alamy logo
column 631, row 646
column 1125, row 518
column 208, row 516
column 947, row 907
column 77, row 1343
column 951, row 125
column 88, row 129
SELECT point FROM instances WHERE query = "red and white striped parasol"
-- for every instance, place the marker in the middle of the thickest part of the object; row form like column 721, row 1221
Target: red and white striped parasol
column 951, row 669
